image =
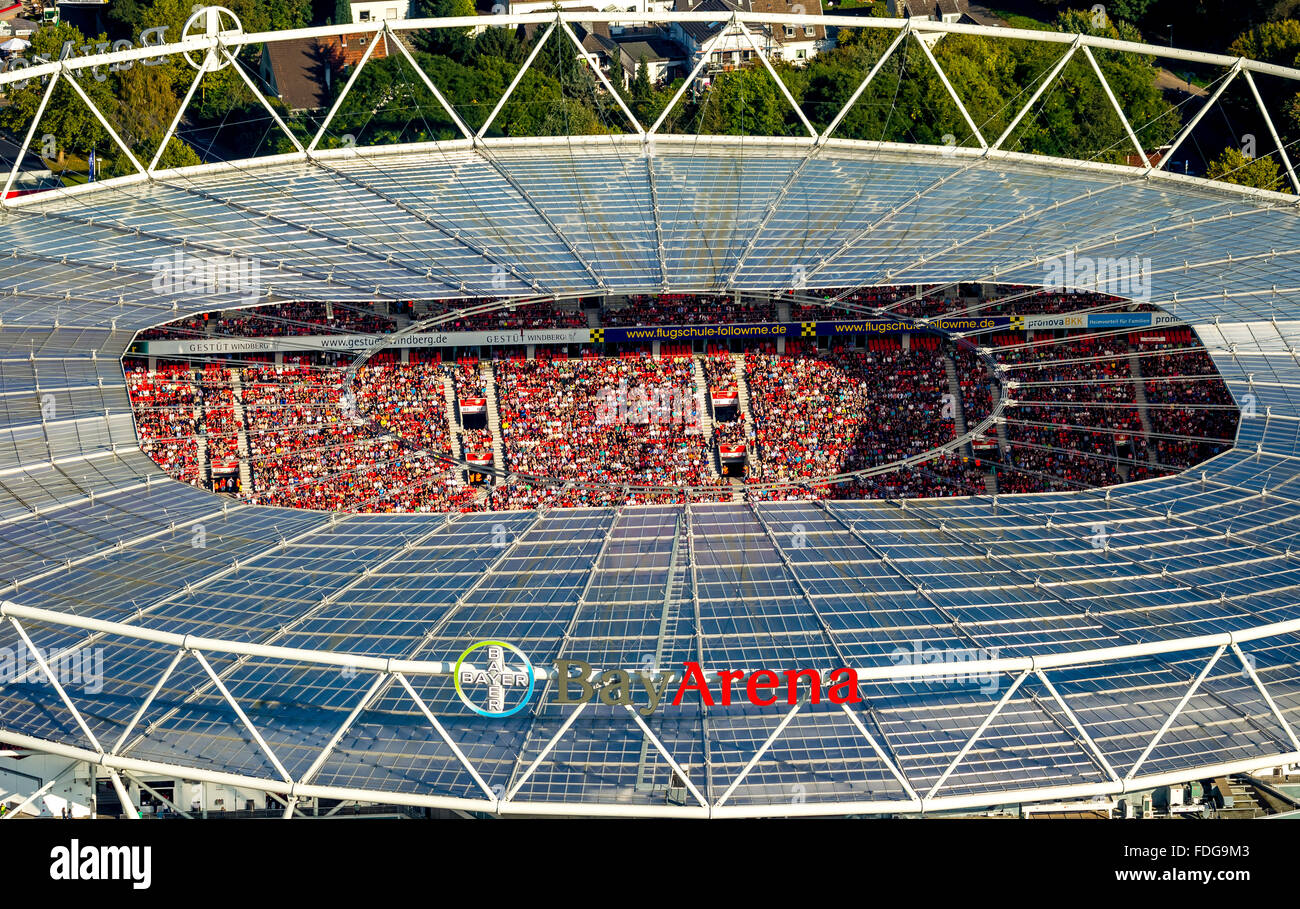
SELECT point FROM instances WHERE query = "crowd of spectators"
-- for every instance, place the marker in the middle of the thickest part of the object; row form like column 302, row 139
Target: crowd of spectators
column 305, row 318
column 594, row 426
column 219, row 423
column 1076, row 422
column 688, row 309
column 946, row 475
column 928, row 301
column 308, row 451
column 467, row 378
column 854, row 299
column 530, row 315
column 977, row 385
column 817, row 414
column 608, row 421
column 293, row 319
column 720, row 375
column 1192, row 414
column 165, row 402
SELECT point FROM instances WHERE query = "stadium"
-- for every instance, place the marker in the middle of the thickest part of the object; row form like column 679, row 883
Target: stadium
column 646, row 472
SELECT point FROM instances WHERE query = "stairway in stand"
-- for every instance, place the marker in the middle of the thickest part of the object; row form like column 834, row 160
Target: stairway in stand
column 705, row 409
column 954, row 389
column 453, row 423
column 200, row 435
column 245, row 453
column 493, row 415
column 752, row 465
column 1140, row 392
column 704, row 412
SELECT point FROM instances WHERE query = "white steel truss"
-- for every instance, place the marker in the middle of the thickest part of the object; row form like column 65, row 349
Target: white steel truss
column 387, row 670
column 222, row 50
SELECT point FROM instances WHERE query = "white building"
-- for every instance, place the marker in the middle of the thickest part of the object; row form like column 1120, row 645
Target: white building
column 664, row 58
column 791, row 43
column 935, row 11
column 521, row 7
column 376, row 10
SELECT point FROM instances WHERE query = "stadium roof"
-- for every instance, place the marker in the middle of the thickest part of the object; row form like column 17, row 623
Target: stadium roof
column 256, row 646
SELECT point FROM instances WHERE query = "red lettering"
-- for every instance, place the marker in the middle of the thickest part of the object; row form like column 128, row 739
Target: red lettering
column 850, row 685
column 694, row 680
column 726, row 677
column 792, row 685
column 753, row 684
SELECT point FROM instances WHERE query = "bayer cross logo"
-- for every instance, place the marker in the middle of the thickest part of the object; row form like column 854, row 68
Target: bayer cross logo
column 496, row 679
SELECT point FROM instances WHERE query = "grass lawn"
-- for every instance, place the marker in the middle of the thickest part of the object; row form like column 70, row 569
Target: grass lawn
column 73, row 171
column 1017, row 20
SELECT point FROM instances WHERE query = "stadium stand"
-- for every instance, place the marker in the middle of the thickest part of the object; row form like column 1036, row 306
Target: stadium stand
column 1091, row 409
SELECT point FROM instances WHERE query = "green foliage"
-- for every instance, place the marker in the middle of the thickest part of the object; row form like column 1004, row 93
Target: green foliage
column 1234, row 167
column 500, row 43
column 617, row 77
column 130, row 17
column 647, row 102
column 453, row 42
column 449, row 8
column 879, row 8
column 74, row 129
column 745, row 102
column 907, row 103
column 389, row 104
column 641, row 87
column 1279, row 43
column 1130, row 10
column 559, row 95
column 1272, row 42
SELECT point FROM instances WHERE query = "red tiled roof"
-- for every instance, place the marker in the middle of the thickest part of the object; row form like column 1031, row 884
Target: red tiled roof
column 300, row 65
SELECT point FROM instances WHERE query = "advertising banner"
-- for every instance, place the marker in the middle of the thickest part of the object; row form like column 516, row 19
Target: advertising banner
column 760, row 331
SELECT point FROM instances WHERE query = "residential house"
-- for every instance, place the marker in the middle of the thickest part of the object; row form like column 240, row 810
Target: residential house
column 376, row 10
column 521, row 7
column 953, row 11
column 665, row 59
column 301, row 71
column 598, row 45
column 791, row 43
column 17, row 27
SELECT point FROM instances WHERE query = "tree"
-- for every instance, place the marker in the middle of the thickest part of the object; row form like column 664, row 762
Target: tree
column 452, row 42
column 501, row 43
column 1272, row 42
column 125, row 17
column 744, row 102
column 146, row 102
column 1234, row 167
column 389, row 104
column 445, row 9
column 342, row 12
column 70, row 125
column 642, row 91
column 1131, row 10
column 617, row 75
